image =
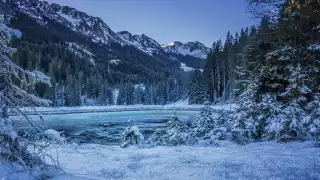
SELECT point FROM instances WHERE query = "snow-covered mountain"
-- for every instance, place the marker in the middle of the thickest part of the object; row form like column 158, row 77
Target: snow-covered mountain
column 78, row 21
column 142, row 42
column 150, row 46
column 98, row 31
column 195, row 49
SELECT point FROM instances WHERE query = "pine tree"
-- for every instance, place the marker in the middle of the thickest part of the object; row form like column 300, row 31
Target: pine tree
column 59, row 99
column 197, row 90
column 205, row 122
column 283, row 76
column 131, row 135
column 222, row 127
column 176, row 133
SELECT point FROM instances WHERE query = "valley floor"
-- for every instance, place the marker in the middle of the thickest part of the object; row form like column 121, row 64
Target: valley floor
column 267, row 160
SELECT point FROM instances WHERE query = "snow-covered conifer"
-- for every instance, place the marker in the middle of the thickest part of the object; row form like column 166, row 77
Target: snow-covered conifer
column 176, row 133
column 60, row 94
column 13, row 94
column 222, row 127
column 205, row 122
column 131, row 135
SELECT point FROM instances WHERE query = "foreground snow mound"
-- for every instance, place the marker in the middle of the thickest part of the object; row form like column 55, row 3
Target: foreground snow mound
column 54, row 135
column 268, row 160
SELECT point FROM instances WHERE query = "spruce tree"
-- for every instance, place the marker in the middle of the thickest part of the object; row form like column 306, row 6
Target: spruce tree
column 197, row 90
column 176, row 133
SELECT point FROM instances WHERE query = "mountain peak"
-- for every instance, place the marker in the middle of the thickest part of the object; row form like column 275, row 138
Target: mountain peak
column 81, row 22
column 142, row 42
column 195, row 49
column 174, row 43
column 98, row 31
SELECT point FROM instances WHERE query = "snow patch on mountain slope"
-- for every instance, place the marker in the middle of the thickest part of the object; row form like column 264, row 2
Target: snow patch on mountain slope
column 140, row 86
column 195, row 49
column 195, row 53
column 115, row 61
column 142, row 42
column 78, row 21
column 314, row 47
column 69, row 18
column 115, row 95
column 186, row 68
column 81, row 51
column 15, row 32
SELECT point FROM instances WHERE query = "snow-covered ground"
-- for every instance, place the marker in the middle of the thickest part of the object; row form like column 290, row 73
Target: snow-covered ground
column 225, row 160
column 267, row 160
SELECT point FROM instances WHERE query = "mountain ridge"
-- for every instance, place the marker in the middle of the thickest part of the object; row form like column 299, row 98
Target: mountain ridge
column 86, row 60
column 96, row 29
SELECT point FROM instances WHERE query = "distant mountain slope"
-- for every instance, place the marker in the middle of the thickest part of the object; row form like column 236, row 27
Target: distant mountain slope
column 85, row 58
column 99, row 32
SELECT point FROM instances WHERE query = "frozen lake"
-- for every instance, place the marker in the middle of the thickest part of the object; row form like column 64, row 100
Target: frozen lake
column 105, row 127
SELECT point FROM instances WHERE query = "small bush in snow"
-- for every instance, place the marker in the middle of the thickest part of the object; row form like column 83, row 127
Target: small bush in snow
column 205, row 123
column 54, row 136
column 175, row 134
column 131, row 135
column 221, row 129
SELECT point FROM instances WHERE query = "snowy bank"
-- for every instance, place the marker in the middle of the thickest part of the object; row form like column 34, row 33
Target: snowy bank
column 267, row 160
column 92, row 109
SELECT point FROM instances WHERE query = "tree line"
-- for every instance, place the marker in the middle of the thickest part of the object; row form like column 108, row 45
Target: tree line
column 271, row 72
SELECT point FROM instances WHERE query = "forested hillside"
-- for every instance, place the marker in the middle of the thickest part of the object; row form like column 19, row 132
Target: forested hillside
column 92, row 69
column 272, row 73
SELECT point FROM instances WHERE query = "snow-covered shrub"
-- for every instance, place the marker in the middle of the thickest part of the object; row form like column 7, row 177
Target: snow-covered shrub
column 131, row 135
column 312, row 121
column 245, row 118
column 297, row 109
column 54, row 136
column 221, row 129
column 175, row 134
column 13, row 94
column 205, row 122
column 293, row 115
column 293, row 127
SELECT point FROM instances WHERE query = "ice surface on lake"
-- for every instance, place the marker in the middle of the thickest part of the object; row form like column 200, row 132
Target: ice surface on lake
column 105, row 128
column 103, row 117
